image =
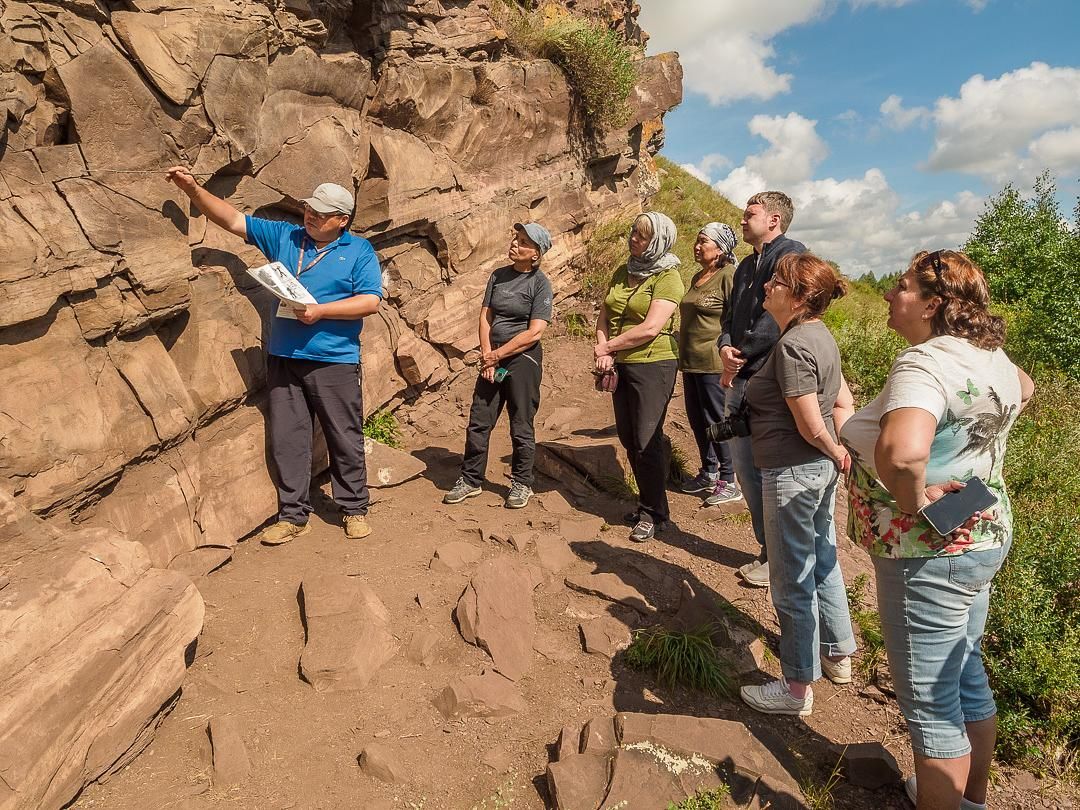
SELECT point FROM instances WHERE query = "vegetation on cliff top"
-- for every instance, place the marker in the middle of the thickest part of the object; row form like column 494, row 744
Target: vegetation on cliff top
column 599, row 64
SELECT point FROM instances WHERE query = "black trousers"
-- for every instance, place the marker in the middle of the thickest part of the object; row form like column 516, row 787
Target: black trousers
column 301, row 390
column 640, row 401
column 520, row 392
column 704, row 406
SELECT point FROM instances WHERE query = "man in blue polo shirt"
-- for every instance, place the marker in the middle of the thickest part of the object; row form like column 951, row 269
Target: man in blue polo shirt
column 313, row 366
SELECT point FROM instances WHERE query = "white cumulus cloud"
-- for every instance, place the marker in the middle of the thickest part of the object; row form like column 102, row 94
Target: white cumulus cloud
column 899, row 117
column 703, row 170
column 1009, row 128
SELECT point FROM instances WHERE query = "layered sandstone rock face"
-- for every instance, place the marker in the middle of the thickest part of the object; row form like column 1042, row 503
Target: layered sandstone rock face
column 131, row 338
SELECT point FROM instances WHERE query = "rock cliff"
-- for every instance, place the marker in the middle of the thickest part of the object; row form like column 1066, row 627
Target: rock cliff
column 131, row 339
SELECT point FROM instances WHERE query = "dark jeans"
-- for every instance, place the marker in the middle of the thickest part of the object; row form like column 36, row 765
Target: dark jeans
column 705, row 406
column 640, row 401
column 520, row 392
column 300, row 390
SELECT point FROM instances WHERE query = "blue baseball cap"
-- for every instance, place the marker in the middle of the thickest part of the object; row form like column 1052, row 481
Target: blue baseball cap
column 537, row 233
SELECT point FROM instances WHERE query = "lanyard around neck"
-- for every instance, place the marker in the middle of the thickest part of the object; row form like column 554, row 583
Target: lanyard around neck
column 319, row 256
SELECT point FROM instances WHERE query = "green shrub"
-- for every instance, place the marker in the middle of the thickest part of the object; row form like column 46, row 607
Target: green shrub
column 599, row 64
column 713, row 799
column 606, row 250
column 382, row 426
column 681, row 659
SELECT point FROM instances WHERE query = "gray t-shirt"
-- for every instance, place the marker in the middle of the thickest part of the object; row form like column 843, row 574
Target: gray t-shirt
column 515, row 299
column 804, row 361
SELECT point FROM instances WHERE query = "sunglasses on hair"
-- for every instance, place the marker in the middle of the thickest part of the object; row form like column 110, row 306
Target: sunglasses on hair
column 936, row 263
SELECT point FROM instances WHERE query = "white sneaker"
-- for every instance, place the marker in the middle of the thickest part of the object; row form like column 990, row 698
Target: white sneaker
column 837, row 671
column 775, row 698
column 912, row 793
column 755, row 573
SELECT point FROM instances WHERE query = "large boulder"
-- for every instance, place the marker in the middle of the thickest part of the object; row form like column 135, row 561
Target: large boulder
column 95, row 645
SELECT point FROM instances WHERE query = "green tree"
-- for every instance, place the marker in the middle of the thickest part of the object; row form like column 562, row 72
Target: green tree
column 1031, row 257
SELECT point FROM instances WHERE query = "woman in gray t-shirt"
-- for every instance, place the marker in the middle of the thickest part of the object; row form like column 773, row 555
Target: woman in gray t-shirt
column 797, row 403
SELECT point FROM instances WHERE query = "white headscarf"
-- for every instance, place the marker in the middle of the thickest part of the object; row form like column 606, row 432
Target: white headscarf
column 656, row 256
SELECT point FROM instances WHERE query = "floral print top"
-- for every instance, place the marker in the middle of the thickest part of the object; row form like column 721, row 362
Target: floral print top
column 975, row 395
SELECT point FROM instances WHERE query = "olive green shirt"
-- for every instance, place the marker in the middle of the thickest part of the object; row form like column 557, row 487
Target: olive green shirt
column 701, row 322
column 628, row 304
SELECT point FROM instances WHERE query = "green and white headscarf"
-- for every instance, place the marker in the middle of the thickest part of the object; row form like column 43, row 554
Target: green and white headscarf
column 657, row 256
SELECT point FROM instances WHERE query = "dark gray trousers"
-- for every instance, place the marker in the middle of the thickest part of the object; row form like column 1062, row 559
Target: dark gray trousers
column 640, row 401
column 520, row 392
column 705, row 406
column 301, row 390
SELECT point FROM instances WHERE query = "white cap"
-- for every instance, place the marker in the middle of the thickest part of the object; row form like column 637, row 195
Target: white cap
column 330, row 198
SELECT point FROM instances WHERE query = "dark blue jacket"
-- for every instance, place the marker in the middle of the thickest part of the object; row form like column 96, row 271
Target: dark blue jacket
column 747, row 326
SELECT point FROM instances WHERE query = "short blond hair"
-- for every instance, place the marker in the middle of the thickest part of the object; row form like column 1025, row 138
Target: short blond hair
column 775, row 202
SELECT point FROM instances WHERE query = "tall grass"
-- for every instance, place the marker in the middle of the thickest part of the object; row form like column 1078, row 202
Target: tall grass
column 599, row 64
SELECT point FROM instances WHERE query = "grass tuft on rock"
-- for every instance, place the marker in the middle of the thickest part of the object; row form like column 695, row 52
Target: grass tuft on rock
column 678, row 658
column 382, row 426
column 599, row 64
column 712, row 799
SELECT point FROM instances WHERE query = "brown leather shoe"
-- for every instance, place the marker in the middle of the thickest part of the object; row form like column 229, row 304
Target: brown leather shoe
column 356, row 526
column 282, row 532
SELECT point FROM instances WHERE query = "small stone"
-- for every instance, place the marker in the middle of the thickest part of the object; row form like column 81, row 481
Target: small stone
column 554, row 553
column 487, row 695
column 580, row 531
column 520, row 541
column 599, row 736
column 231, row 763
column 379, row 763
column 422, row 645
column 569, row 742
column 869, row 765
column 454, row 557
column 555, row 503
column 604, row 636
column 871, row 692
column 612, row 588
column 497, row 759
column 425, row 599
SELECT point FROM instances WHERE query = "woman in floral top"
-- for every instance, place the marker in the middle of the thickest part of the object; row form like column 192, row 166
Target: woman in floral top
column 943, row 417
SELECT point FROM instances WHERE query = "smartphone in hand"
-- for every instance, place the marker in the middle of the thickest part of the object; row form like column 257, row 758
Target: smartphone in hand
column 951, row 511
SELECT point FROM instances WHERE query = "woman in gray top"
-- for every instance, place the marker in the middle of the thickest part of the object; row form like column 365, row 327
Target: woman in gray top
column 701, row 315
column 796, row 404
column 515, row 312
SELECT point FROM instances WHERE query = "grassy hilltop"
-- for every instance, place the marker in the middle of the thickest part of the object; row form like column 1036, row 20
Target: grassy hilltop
column 1032, row 643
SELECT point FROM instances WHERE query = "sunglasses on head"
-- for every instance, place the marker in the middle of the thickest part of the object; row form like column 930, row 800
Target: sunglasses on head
column 936, row 263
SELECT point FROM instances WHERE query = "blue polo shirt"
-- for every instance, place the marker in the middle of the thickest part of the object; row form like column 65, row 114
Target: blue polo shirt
column 350, row 267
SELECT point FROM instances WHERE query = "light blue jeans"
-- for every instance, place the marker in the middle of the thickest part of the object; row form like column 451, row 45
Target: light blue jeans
column 933, row 612
column 805, row 581
column 742, row 459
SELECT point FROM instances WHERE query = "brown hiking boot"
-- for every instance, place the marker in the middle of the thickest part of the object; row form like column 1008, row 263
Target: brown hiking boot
column 282, row 532
column 356, row 526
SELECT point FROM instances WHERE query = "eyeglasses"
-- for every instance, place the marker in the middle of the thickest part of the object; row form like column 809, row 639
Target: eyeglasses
column 319, row 215
column 774, row 281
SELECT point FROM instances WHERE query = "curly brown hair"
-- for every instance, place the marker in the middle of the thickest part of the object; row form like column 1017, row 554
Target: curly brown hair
column 813, row 281
column 965, row 297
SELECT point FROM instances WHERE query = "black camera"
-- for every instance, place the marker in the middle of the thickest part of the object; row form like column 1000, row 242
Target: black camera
column 730, row 427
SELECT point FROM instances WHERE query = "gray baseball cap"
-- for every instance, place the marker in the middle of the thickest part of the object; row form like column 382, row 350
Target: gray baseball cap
column 330, row 198
column 537, row 233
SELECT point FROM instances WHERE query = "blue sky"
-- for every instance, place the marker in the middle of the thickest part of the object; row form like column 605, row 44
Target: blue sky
column 888, row 121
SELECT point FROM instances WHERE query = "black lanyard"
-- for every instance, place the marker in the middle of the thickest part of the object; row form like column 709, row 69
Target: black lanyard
column 319, row 256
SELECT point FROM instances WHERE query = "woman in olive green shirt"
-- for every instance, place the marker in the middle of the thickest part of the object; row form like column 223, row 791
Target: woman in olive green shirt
column 701, row 314
column 635, row 335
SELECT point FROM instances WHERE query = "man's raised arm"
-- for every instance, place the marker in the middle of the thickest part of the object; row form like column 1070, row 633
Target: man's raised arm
column 221, row 213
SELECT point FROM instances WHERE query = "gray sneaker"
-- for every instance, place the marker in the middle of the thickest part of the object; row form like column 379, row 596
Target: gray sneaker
column 518, row 497
column 462, row 490
column 724, row 492
column 702, row 482
column 755, row 573
column 643, row 530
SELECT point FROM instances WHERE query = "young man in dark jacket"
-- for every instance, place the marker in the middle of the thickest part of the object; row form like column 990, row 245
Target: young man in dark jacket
column 749, row 335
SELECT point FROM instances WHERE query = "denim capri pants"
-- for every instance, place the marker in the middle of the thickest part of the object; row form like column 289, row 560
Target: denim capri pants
column 933, row 612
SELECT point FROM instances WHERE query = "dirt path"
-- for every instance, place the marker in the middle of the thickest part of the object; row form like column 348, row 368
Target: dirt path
column 303, row 745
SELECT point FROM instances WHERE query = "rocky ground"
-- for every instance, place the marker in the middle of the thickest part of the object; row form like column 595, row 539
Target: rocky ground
column 332, row 673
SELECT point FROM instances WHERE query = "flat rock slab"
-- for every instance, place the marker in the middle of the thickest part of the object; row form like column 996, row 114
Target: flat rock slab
column 580, row 781
column 201, row 561
column 555, row 504
column 604, row 636
column 646, row 776
column 488, row 695
column 348, row 632
column 379, row 762
column 455, row 556
column 611, row 588
column 750, row 766
column 580, row 531
column 561, row 419
column 569, row 742
column 496, row 613
column 231, row 763
column 387, row 466
column 422, row 646
column 554, row 553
